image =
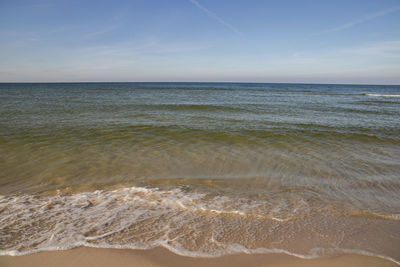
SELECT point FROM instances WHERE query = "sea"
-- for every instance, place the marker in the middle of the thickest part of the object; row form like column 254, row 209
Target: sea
column 202, row 169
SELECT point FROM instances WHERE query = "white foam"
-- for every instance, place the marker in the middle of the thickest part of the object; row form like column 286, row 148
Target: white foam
column 233, row 249
column 152, row 217
column 382, row 95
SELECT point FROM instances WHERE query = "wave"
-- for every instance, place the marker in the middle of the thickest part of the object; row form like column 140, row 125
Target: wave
column 188, row 223
column 383, row 95
column 234, row 249
column 192, row 107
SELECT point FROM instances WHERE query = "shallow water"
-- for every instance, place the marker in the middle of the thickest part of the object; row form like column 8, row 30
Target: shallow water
column 201, row 168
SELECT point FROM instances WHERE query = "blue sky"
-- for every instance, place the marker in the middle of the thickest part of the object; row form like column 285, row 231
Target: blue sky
column 201, row 40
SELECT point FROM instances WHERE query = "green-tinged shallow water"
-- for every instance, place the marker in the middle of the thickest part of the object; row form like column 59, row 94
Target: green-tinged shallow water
column 203, row 169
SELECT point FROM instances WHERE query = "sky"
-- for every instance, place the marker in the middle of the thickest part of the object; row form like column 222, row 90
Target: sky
column 341, row 41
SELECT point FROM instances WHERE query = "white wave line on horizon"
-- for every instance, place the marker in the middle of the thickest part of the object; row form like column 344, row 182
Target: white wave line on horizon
column 382, row 95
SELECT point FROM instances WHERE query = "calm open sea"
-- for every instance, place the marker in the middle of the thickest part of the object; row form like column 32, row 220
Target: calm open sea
column 203, row 169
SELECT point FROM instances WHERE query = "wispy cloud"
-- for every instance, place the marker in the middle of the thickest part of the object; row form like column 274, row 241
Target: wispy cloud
column 363, row 19
column 216, row 17
column 104, row 30
column 384, row 49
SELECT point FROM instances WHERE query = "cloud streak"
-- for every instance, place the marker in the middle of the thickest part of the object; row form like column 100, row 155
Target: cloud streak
column 385, row 49
column 363, row 19
column 216, row 17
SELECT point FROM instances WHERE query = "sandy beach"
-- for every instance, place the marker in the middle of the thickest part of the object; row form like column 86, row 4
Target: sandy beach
column 199, row 133
column 162, row 257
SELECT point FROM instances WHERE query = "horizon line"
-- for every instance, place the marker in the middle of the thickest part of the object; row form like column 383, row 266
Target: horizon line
column 311, row 83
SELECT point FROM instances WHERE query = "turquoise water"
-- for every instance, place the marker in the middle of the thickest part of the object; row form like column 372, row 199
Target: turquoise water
column 201, row 168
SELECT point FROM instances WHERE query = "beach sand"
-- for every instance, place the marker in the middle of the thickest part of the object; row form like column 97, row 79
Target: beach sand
column 162, row 257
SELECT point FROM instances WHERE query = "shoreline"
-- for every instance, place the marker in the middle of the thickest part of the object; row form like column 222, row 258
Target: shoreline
column 86, row 256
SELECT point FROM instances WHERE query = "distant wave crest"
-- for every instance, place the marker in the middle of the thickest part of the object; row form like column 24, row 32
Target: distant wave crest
column 382, row 95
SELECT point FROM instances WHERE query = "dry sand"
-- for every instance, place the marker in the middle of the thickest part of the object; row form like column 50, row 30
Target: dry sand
column 162, row 257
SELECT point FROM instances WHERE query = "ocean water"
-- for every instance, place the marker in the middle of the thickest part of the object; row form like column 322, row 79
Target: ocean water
column 203, row 169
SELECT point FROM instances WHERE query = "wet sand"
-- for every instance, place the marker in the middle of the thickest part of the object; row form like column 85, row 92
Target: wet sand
column 162, row 257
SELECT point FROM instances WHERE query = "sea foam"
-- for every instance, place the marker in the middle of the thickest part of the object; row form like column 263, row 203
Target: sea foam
column 187, row 223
